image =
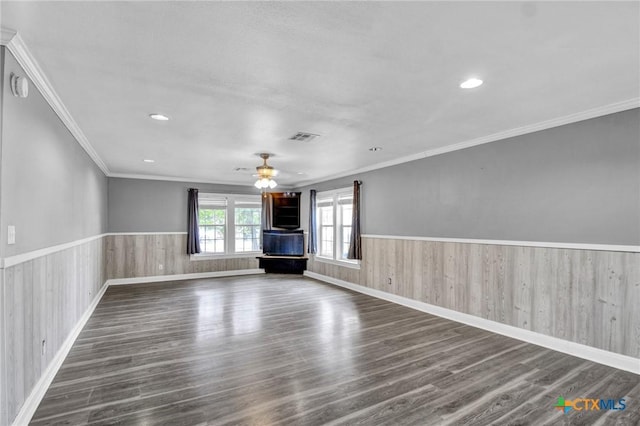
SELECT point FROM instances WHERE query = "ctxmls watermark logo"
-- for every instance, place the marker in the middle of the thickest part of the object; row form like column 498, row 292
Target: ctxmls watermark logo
column 589, row 404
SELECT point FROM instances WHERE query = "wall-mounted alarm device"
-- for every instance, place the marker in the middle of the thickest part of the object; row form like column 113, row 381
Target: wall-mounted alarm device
column 19, row 86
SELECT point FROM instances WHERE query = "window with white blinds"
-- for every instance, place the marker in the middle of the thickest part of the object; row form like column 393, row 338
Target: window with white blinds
column 334, row 210
column 229, row 223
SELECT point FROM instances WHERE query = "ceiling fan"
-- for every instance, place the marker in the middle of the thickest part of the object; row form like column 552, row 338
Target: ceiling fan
column 265, row 174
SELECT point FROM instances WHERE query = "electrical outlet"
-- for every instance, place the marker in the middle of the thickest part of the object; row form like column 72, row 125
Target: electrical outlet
column 11, row 234
column 161, row 266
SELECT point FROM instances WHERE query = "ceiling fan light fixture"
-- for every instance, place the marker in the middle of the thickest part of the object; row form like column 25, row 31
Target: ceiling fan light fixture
column 265, row 174
column 264, row 183
column 266, row 171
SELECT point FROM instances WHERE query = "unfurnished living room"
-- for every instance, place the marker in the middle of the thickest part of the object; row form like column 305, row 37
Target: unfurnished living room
column 310, row 213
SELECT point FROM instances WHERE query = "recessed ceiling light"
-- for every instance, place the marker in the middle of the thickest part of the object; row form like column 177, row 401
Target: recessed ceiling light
column 471, row 83
column 159, row 117
column 375, row 148
column 149, row 161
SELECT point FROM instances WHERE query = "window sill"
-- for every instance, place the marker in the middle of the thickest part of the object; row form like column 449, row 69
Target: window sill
column 352, row 265
column 215, row 256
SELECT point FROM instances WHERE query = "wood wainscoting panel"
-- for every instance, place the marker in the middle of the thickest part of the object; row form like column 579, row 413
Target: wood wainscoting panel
column 287, row 350
column 140, row 255
column 4, row 416
column 43, row 300
column 584, row 296
column 333, row 270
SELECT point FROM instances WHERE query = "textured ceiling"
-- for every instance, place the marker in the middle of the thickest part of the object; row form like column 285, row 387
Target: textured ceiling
column 240, row 78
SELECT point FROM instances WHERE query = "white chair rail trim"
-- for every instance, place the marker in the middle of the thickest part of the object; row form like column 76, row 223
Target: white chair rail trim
column 574, row 246
column 25, row 257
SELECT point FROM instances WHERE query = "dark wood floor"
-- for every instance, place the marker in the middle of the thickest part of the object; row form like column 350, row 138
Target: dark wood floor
column 276, row 349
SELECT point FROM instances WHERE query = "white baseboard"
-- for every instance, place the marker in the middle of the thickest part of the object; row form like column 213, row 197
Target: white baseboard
column 30, row 405
column 180, row 277
column 32, row 402
column 622, row 362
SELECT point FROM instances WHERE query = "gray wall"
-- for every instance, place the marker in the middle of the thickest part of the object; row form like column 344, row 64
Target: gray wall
column 52, row 191
column 137, row 205
column 4, row 413
column 578, row 183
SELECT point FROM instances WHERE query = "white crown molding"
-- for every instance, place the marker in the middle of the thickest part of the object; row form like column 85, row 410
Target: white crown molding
column 573, row 246
column 178, row 179
column 518, row 131
column 622, row 362
column 14, row 43
column 6, row 35
column 192, row 180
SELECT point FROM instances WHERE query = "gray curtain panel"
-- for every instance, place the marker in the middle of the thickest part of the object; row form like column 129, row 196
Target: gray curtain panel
column 312, row 244
column 267, row 204
column 267, row 220
column 193, row 233
column 355, row 246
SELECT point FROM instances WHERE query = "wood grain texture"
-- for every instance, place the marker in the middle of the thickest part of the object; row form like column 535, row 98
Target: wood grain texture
column 585, row 296
column 129, row 256
column 281, row 349
column 4, row 415
column 43, row 299
column 329, row 269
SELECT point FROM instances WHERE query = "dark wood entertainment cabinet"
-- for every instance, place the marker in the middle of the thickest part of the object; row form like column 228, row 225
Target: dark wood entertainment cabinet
column 286, row 210
column 285, row 221
column 283, row 264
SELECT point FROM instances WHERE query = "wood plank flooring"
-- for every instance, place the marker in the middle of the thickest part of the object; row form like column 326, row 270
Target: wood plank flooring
column 589, row 297
column 278, row 349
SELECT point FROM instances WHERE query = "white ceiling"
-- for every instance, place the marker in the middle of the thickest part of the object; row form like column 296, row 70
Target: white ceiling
column 240, row 78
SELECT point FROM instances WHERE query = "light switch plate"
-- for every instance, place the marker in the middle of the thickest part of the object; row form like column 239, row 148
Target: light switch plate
column 11, row 234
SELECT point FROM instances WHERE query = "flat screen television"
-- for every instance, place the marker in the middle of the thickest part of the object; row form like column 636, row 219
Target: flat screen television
column 283, row 243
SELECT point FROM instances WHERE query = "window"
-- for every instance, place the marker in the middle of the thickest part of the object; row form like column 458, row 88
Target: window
column 212, row 221
column 248, row 223
column 229, row 223
column 334, row 210
column 325, row 225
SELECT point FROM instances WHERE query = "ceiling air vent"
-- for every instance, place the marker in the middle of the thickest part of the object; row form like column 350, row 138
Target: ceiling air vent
column 303, row 137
